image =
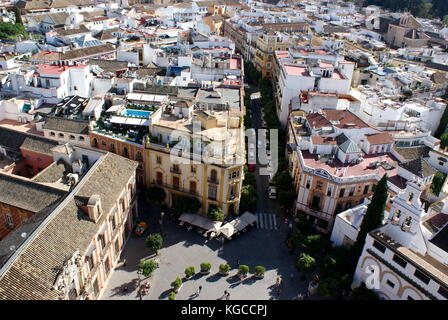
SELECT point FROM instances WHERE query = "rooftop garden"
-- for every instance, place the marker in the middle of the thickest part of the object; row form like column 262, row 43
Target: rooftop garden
column 141, row 107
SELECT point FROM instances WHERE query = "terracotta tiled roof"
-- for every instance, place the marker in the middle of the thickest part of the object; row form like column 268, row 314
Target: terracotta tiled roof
column 344, row 119
column 13, row 140
column 419, row 167
column 33, row 273
column 27, row 195
column 411, row 153
column 317, row 121
column 379, row 138
column 67, row 125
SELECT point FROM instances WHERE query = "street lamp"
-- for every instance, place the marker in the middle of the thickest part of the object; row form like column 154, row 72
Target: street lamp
column 161, row 221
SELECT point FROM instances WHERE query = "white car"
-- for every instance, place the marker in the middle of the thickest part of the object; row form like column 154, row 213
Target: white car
column 272, row 192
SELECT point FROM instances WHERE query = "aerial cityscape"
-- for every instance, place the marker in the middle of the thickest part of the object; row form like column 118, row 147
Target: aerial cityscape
column 224, row 150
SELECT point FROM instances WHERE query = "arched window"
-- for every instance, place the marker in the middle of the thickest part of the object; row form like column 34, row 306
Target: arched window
column 95, row 142
column 81, row 138
column 60, row 135
column 52, row 134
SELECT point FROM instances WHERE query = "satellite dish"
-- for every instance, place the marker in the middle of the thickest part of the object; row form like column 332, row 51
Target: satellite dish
column 373, row 22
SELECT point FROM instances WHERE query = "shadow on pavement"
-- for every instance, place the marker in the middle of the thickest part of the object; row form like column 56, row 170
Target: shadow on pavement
column 213, row 278
column 126, row 288
column 164, row 294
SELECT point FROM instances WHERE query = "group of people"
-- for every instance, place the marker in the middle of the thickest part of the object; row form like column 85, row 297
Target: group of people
column 144, row 288
column 226, row 294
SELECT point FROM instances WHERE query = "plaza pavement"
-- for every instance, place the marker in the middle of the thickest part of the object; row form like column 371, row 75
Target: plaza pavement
column 182, row 248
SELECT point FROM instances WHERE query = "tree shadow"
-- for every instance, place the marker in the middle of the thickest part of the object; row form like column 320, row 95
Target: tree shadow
column 165, row 294
column 213, row 278
column 250, row 280
column 126, row 288
column 233, row 279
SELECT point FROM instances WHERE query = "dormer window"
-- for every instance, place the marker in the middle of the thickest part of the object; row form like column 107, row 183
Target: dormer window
column 94, row 208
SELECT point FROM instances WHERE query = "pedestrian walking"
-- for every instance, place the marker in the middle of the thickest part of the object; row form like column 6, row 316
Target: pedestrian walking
column 278, row 280
column 224, row 295
column 237, row 262
column 228, row 296
column 199, row 291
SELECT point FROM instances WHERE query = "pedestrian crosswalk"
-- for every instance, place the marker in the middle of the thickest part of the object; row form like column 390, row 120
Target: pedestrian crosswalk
column 267, row 221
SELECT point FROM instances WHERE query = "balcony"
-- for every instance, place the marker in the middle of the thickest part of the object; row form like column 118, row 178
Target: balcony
column 211, row 180
column 175, row 170
column 176, row 188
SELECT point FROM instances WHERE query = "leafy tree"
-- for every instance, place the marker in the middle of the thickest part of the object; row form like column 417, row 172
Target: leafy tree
column 440, row 8
column 329, row 287
column 306, row 263
column 12, row 31
column 374, row 214
column 329, row 265
column 206, row 266
column 100, row 123
column 224, row 268
column 295, row 239
column 189, row 271
column 286, row 198
column 215, row 213
column 260, row 270
column 314, row 243
column 248, row 200
column 249, row 179
column 442, row 124
column 187, row 204
column 437, row 183
column 176, row 283
column 147, row 267
column 445, row 20
column 305, row 225
column 156, row 194
column 18, row 16
column 243, row 269
column 444, row 140
column 282, row 180
column 154, row 242
column 172, row 295
column 362, row 293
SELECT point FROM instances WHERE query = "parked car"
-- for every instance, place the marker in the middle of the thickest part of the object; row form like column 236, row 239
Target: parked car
column 140, row 228
column 272, row 192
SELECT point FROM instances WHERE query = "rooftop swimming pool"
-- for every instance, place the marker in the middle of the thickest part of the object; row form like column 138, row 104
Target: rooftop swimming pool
column 137, row 113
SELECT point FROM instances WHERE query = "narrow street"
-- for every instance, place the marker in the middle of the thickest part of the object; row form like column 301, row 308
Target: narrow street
column 268, row 211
